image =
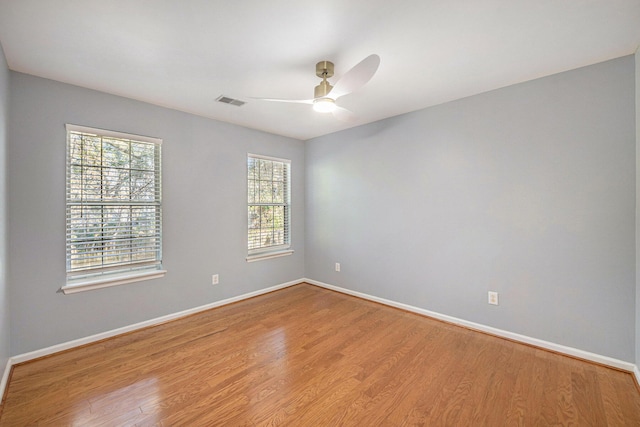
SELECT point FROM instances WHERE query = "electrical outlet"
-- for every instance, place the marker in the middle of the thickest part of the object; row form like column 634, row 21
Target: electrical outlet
column 215, row 279
column 493, row 298
column 337, row 266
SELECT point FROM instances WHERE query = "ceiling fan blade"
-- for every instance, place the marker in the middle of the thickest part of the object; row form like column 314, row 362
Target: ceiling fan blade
column 294, row 101
column 356, row 77
column 343, row 114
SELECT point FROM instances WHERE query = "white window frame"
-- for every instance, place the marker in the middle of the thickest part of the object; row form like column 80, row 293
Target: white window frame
column 261, row 253
column 100, row 277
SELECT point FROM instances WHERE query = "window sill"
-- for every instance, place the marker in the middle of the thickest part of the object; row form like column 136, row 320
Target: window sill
column 268, row 255
column 105, row 282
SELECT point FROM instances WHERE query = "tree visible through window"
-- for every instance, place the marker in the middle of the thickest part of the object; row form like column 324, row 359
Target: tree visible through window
column 113, row 203
column 268, row 203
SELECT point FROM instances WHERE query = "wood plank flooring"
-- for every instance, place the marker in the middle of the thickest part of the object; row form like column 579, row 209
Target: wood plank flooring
column 306, row 356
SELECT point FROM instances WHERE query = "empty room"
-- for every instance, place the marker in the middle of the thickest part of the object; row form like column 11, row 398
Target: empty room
column 338, row 213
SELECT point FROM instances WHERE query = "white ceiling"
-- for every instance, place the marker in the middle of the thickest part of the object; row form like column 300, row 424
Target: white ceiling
column 185, row 54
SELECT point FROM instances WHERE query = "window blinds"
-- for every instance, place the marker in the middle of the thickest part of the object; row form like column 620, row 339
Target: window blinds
column 114, row 211
column 268, row 182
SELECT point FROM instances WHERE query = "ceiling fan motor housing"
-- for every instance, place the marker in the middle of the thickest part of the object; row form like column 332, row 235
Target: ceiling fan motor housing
column 324, row 70
column 322, row 89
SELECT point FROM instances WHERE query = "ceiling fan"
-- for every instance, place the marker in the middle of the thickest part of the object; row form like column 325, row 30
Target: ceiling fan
column 326, row 95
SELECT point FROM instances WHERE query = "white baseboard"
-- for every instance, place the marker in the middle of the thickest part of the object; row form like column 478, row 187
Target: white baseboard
column 570, row 351
column 636, row 373
column 5, row 379
column 108, row 334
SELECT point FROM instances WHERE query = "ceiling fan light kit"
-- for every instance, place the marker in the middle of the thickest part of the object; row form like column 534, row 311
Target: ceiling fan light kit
column 324, row 105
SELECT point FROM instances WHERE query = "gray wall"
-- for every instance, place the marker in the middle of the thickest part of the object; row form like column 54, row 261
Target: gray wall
column 5, row 350
column 528, row 190
column 204, row 212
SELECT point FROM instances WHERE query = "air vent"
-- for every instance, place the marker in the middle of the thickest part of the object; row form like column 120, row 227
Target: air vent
column 227, row 100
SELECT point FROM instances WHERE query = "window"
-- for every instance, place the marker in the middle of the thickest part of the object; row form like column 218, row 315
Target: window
column 114, row 210
column 268, row 192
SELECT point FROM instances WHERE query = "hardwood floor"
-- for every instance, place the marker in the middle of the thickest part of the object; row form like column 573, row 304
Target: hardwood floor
column 306, row 356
